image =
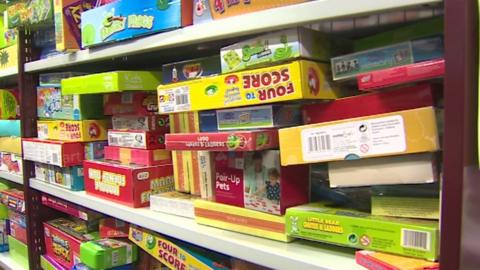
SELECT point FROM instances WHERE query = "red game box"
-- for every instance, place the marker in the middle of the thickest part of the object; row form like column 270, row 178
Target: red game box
column 70, row 208
column 62, row 154
column 128, row 103
column 18, row 232
column 400, row 75
column 138, row 156
column 255, row 180
column 223, row 141
column 373, row 260
column 141, row 122
column 113, row 228
column 130, row 185
column 137, row 139
column 13, row 199
column 405, row 98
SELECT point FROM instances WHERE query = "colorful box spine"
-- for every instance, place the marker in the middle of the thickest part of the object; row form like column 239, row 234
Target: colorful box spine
column 68, row 177
column 191, row 69
column 70, row 208
column 13, row 199
column 62, row 154
column 148, row 140
column 173, row 203
column 138, row 156
column 4, row 234
column 372, row 260
column 9, row 101
column 95, row 150
column 207, row 174
column 11, row 163
column 48, row 263
column 138, row 122
column 402, row 132
column 223, row 141
column 72, row 131
column 11, row 145
column 241, row 220
column 401, row 75
column 113, row 228
column 129, row 103
column 10, row 128
column 107, row 253
column 18, row 232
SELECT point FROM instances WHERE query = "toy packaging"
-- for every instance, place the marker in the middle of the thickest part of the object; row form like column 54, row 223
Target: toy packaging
column 127, row 20
column 130, row 185
column 401, row 75
column 70, row 208
column 186, row 171
column 173, row 203
column 114, row 81
column 373, row 260
column 62, row 154
column 113, row 228
column 9, row 128
column 18, row 252
column 48, row 263
column 146, row 123
column 67, row 177
column 72, row 131
column 54, row 79
column 53, row 105
column 414, row 51
column 9, row 103
column 21, row 12
column 176, row 254
column 206, row 10
column 223, row 141
column 41, row 171
column 130, row 103
column 107, row 253
column 95, row 150
column 241, row 220
column 11, row 145
column 404, row 98
column 404, row 169
column 191, row 69
column 255, row 180
column 61, row 246
column 277, row 47
column 13, row 199
column 18, row 232
column 345, row 227
column 292, row 81
column 11, row 163
column 137, row 139
column 4, row 233
column 18, row 218
column 207, row 121
column 9, row 57
column 207, row 173
column 138, row 156
column 402, row 132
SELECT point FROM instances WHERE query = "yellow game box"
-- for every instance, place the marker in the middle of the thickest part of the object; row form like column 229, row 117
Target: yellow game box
column 291, row 81
column 402, row 132
column 73, row 131
column 11, row 145
column 9, row 57
column 241, row 220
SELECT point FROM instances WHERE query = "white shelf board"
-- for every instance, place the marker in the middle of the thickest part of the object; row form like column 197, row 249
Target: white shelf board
column 7, row 263
column 276, row 255
column 251, row 23
column 8, row 72
column 12, row 177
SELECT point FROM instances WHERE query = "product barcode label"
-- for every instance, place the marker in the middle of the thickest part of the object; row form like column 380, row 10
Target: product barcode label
column 174, row 100
column 182, row 99
column 113, row 140
column 350, row 140
column 416, row 239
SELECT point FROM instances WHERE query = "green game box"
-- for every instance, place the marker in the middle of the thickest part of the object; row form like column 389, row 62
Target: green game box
column 107, row 253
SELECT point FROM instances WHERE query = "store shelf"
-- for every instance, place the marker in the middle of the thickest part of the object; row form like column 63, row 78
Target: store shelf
column 12, row 177
column 7, row 263
column 276, row 255
column 231, row 27
column 8, row 72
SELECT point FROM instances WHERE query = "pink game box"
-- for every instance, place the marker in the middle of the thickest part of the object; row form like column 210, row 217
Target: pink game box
column 138, row 156
column 130, row 102
column 137, row 139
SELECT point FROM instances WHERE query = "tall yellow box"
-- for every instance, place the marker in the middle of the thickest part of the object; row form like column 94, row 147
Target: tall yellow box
column 73, row 131
column 9, row 57
column 291, row 81
column 402, row 132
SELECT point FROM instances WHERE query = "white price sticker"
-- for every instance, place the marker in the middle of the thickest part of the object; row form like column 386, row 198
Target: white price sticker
column 174, row 100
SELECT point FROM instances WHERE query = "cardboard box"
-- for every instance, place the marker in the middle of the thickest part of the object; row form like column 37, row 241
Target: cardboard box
column 95, row 150
column 127, row 20
column 345, row 227
column 41, row 171
column 67, row 15
column 255, row 180
column 62, row 154
column 292, row 81
column 68, row 177
column 28, row 12
column 4, row 228
column 130, row 103
column 72, row 131
column 280, row 46
column 70, row 208
column 174, row 203
column 48, row 263
column 17, row 218
column 10, row 128
column 405, row 98
column 130, row 185
column 382, row 261
column 207, row 174
column 176, row 254
column 191, row 69
column 404, row 169
column 107, row 253
column 426, row 70
column 13, row 199
column 9, row 57
column 409, row 52
column 11, row 163
column 113, row 228
column 54, row 79
column 241, row 220
column 109, row 82
column 18, row 251
column 18, row 232
column 138, row 156
column 137, row 139
column 61, row 246
column 53, row 105
column 11, row 145
column 9, row 103
column 137, row 122
column 402, row 132
column 223, row 141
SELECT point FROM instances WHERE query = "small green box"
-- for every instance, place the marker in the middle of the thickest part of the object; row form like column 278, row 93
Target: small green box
column 109, row 82
column 18, row 252
column 345, row 227
column 107, row 253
